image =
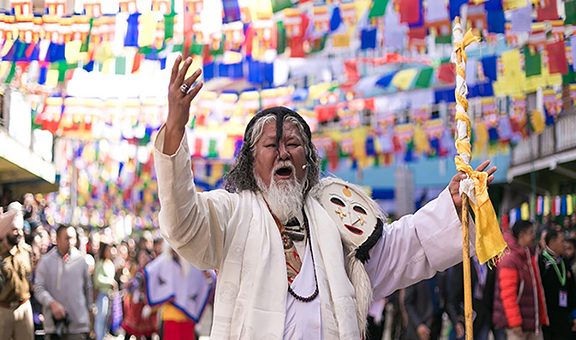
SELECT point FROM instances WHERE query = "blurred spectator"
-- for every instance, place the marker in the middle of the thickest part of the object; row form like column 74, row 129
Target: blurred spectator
column 483, row 280
column 158, row 246
column 146, row 241
column 519, row 300
column 15, row 275
column 104, row 285
column 139, row 317
column 559, row 288
column 570, row 254
column 424, row 306
column 64, row 288
column 376, row 320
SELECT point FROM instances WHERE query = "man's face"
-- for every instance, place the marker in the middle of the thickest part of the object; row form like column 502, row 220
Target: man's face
column 283, row 163
column 14, row 236
column 65, row 240
column 526, row 238
column 557, row 245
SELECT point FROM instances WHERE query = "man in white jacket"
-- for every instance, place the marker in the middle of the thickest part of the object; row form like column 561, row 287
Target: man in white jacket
column 282, row 271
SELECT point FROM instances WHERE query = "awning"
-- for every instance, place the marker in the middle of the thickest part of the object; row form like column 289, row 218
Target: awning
column 22, row 170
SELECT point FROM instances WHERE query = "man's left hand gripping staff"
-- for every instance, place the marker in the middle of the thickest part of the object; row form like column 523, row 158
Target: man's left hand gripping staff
column 454, row 185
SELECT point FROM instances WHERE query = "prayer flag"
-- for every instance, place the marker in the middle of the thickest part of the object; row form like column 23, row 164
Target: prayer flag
column 557, row 62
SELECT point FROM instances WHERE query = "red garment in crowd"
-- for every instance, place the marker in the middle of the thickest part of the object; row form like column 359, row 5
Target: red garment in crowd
column 179, row 330
column 133, row 322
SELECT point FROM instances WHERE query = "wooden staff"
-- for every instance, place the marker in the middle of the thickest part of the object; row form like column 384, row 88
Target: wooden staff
column 464, row 152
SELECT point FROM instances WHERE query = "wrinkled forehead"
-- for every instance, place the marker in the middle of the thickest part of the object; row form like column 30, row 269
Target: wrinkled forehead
column 287, row 129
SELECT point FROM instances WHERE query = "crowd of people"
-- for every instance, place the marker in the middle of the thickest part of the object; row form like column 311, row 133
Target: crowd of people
column 61, row 282
column 79, row 284
column 530, row 294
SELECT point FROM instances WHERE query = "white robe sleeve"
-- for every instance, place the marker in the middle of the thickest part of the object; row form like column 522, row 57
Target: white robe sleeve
column 193, row 223
column 417, row 246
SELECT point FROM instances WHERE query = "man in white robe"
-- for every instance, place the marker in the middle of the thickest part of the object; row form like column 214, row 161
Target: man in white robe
column 280, row 260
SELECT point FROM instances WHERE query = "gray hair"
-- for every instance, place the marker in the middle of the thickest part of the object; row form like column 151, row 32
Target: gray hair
column 241, row 176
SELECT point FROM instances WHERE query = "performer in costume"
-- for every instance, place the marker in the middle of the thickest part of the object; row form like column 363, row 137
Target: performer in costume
column 181, row 290
column 281, row 263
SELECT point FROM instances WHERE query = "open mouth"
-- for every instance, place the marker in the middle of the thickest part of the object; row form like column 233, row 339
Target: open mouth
column 354, row 230
column 284, row 171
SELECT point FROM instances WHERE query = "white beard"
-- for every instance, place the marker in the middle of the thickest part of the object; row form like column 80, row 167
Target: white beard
column 285, row 198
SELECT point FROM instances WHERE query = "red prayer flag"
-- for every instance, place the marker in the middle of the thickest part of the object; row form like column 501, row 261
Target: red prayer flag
column 409, row 11
column 447, row 73
column 557, row 62
column 548, row 11
column 351, row 69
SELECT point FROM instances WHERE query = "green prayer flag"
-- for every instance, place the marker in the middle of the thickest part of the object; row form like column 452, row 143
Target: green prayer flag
column 169, row 25
column 278, row 5
column 11, row 74
column 212, row 149
column 570, row 10
column 281, row 37
column 62, row 68
column 196, row 49
column 424, row 78
column 378, row 8
column 220, row 50
column 319, row 44
column 570, row 77
column 444, row 39
column 178, row 48
column 532, row 63
column 120, row 65
column 86, row 42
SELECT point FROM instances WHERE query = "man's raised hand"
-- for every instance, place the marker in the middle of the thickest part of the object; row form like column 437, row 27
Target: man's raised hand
column 181, row 91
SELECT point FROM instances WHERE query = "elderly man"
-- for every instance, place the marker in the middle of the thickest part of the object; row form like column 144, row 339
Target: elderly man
column 280, row 259
column 15, row 273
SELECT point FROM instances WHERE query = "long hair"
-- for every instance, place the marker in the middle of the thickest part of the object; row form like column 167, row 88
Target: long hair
column 241, row 176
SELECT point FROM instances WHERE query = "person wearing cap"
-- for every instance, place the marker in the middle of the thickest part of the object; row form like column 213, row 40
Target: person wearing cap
column 15, row 274
column 280, row 260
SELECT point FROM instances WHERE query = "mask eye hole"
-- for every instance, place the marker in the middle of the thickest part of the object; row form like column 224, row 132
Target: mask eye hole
column 360, row 210
column 337, row 201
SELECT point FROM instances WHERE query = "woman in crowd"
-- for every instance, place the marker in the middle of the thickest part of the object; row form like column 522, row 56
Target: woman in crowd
column 139, row 318
column 104, row 286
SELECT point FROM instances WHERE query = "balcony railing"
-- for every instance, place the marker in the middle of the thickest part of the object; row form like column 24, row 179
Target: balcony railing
column 555, row 139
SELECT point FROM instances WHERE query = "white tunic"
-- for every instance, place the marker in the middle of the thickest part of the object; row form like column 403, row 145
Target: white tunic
column 236, row 234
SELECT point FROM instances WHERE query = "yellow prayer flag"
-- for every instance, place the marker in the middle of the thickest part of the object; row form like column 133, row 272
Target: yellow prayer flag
column 513, row 77
column 525, row 211
column 147, row 29
column 513, row 4
column 546, row 205
column 403, row 79
column 569, row 205
column 538, row 121
column 6, row 47
column 52, row 78
column 72, row 51
column 4, row 67
column 341, row 39
column 421, row 142
column 481, row 137
column 315, row 91
column 261, row 9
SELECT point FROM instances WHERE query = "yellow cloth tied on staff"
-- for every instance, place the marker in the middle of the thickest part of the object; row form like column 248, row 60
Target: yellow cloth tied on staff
column 490, row 244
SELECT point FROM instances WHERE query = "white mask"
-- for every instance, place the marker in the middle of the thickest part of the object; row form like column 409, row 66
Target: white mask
column 352, row 210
